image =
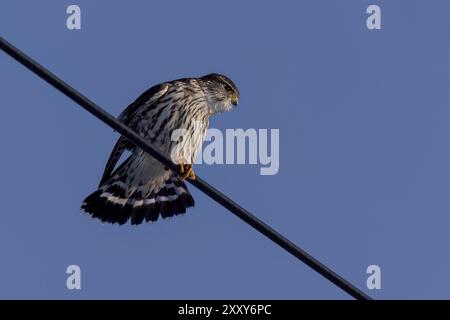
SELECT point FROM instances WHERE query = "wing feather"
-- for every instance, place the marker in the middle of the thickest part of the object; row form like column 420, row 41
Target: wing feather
column 144, row 101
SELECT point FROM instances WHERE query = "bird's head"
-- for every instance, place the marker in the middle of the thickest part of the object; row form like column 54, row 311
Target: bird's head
column 221, row 93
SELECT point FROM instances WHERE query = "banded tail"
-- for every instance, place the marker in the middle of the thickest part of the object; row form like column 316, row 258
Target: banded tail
column 113, row 203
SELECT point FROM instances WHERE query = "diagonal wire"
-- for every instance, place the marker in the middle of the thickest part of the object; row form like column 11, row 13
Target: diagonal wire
column 202, row 185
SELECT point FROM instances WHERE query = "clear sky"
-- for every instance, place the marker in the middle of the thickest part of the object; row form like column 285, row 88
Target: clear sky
column 364, row 148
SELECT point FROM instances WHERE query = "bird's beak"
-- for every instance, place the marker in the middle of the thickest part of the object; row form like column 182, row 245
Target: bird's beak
column 234, row 100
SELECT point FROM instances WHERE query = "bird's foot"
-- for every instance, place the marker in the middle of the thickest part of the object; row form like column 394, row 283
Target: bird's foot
column 186, row 171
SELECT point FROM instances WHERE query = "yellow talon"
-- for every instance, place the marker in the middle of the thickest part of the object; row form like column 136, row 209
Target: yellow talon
column 191, row 174
column 186, row 171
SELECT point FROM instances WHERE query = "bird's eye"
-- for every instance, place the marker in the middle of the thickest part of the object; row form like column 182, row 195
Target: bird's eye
column 228, row 88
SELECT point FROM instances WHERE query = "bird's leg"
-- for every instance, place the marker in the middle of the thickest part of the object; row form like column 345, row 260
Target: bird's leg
column 186, row 171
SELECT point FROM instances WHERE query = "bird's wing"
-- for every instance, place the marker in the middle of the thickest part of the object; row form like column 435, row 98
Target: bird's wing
column 119, row 148
column 144, row 101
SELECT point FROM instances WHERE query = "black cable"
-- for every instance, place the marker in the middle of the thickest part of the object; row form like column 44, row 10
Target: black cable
column 198, row 182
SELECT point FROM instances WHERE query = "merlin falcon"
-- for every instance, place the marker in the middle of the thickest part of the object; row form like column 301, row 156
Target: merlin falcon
column 173, row 117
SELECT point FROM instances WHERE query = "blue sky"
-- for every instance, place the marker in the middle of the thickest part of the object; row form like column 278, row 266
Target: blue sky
column 363, row 121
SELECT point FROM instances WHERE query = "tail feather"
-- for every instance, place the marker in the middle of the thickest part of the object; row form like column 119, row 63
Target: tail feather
column 137, row 212
column 152, row 212
column 111, row 203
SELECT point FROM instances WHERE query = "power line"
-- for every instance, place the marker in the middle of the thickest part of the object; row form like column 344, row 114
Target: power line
column 202, row 185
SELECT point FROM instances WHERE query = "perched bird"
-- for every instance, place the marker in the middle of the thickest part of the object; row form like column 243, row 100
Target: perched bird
column 173, row 117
